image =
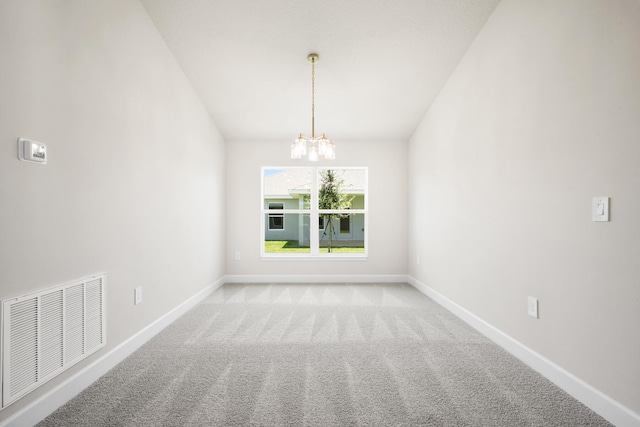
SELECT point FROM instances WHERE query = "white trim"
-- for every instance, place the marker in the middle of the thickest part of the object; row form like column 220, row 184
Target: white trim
column 602, row 404
column 605, row 406
column 40, row 408
column 346, row 278
column 304, row 256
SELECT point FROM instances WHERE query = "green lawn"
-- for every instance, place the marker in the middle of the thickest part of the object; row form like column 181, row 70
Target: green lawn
column 291, row 246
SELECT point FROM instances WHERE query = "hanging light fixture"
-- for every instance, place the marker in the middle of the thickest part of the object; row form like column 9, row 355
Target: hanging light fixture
column 318, row 147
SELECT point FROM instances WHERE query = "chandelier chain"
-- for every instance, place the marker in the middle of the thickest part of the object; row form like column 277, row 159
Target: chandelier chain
column 313, row 97
column 319, row 147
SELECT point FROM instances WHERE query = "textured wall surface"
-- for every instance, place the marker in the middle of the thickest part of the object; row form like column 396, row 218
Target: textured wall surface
column 134, row 185
column 387, row 164
column 540, row 117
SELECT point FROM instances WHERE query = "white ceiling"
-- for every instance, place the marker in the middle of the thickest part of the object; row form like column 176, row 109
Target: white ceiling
column 382, row 62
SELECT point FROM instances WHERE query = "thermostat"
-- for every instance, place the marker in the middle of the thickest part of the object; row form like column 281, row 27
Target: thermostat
column 32, row 151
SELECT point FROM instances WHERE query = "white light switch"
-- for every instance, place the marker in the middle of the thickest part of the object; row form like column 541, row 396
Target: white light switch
column 600, row 209
column 137, row 293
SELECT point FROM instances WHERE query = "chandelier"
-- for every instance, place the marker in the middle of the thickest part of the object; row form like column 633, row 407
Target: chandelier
column 318, row 147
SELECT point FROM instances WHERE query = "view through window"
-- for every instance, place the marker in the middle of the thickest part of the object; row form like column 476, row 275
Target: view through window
column 314, row 211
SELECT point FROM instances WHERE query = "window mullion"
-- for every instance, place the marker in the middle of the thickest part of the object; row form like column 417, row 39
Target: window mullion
column 314, row 230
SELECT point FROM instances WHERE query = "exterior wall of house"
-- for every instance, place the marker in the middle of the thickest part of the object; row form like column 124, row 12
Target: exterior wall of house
column 357, row 223
column 358, row 202
column 355, row 234
column 291, row 229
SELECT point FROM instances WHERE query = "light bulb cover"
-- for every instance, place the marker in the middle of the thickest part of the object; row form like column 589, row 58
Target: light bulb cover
column 295, row 152
column 313, row 154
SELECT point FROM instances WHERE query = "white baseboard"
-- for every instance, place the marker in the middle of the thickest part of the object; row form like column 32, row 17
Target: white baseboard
column 602, row 404
column 40, row 408
column 346, row 278
column 605, row 406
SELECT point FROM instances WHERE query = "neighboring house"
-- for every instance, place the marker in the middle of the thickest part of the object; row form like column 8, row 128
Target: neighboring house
column 290, row 189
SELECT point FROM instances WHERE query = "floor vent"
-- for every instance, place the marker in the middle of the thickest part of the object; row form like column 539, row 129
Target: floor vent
column 45, row 333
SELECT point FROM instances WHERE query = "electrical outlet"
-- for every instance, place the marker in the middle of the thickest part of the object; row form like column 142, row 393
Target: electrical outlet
column 137, row 293
column 532, row 307
column 238, row 256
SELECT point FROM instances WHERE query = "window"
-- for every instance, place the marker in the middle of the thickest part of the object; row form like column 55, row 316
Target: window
column 345, row 225
column 314, row 212
column 276, row 221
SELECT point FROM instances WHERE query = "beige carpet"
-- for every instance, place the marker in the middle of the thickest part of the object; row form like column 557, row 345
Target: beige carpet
column 321, row 355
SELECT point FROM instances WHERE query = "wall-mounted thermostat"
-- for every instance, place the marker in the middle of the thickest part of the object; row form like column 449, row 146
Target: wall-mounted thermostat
column 32, row 151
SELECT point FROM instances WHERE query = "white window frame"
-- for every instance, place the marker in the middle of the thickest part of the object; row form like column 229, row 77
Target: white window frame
column 314, row 215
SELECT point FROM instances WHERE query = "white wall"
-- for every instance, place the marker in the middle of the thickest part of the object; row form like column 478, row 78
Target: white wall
column 387, row 163
column 541, row 115
column 134, row 186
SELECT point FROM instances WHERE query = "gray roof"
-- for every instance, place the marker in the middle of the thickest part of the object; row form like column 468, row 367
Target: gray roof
column 290, row 181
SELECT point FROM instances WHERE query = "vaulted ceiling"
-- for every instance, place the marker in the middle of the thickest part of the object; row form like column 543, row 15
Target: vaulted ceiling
column 382, row 62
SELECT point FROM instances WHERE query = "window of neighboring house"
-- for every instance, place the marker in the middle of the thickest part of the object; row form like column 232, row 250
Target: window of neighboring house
column 276, row 221
column 325, row 210
column 345, row 225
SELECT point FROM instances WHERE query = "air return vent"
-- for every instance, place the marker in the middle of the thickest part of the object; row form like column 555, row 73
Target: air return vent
column 46, row 332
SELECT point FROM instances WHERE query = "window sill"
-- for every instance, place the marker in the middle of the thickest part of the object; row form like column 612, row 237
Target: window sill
column 304, row 257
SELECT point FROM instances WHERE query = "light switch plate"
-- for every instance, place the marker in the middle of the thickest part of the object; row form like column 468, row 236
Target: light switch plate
column 137, row 292
column 600, row 209
column 532, row 306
